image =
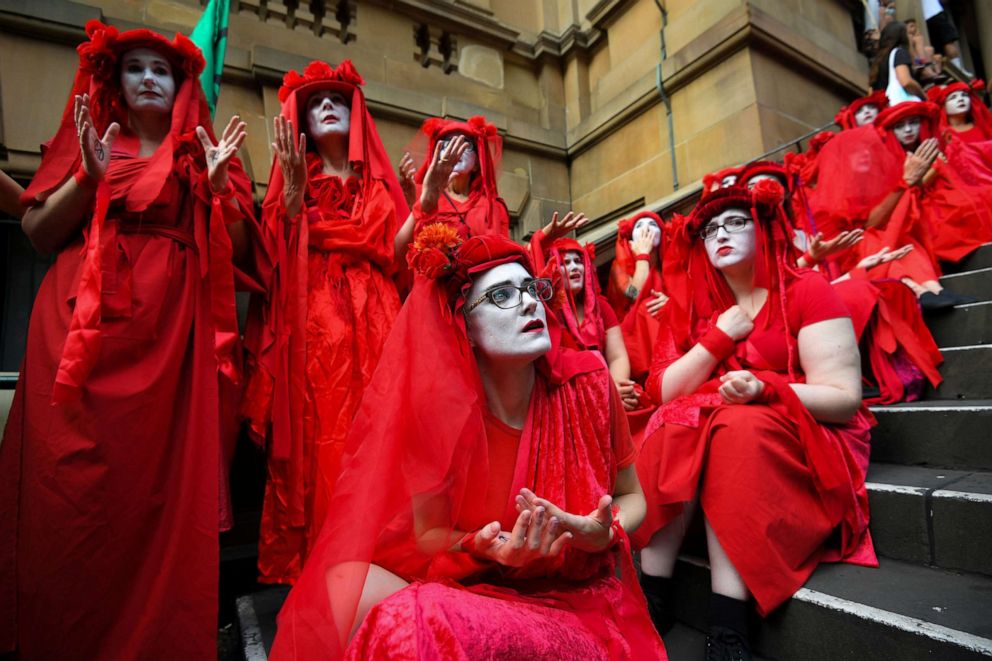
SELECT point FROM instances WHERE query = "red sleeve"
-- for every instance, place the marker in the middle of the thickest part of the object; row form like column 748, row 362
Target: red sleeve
column 664, row 353
column 812, row 299
column 609, row 316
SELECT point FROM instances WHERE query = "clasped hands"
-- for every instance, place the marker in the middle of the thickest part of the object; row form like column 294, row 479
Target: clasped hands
column 738, row 386
column 543, row 530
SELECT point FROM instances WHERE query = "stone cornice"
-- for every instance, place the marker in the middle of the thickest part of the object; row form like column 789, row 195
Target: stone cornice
column 59, row 21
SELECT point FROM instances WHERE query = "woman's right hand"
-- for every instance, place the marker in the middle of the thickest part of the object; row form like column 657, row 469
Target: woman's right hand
column 408, row 170
column 643, row 242
column 535, row 536
column 95, row 151
column 441, row 169
column 558, row 228
column 735, row 323
column 918, row 163
column 292, row 162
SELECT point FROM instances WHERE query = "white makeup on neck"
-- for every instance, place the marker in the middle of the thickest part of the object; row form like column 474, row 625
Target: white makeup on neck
column 517, row 334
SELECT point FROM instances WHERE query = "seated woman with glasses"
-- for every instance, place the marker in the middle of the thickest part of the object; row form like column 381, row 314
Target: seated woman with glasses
column 761, row 424
column 456, row 184
column 482, row 513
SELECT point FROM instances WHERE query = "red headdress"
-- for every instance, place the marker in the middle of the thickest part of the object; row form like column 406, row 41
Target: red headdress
column 715, row 180
column 590, row 332
column 625, row 262
column 99, row 76
column 981, row 116
column 888, row 118
column 420, row 438
column 488, row 215
column 698, row 291
column 846, row 115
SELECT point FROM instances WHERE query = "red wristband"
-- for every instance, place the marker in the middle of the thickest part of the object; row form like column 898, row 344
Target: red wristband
column 642, row 258
column 84, row 179
column 810, row 260
column 467, row 543
column 718, row 343
column 616, row 530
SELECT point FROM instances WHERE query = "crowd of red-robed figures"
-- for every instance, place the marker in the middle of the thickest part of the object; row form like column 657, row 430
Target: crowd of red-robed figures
column 726, row 370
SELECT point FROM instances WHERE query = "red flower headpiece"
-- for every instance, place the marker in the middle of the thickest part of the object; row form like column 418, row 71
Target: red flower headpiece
column 436, row 126
column 320, row 73
column 432, row 254
column 98, row 56
column 763, row 198
column 939, row 95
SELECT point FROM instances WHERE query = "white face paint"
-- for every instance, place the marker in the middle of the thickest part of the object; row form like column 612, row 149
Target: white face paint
column 328, row 113
column 728, row 181
column 147, row 81
column 516, row 334
column 958, row 103
column 727, row 250
column 652, row 227
column 866, row 114
column 573, row 271
column 469, row 162
column 908, row 131
column 753, row 181
column 860, row 161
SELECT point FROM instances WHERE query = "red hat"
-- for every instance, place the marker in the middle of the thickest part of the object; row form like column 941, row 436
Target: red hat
column 846, row 115
column 770, row 168
column 714, row 180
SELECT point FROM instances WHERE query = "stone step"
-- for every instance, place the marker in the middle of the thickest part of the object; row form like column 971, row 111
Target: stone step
column 848, row 613
column 947, row 434
column 257, row 619
column 967, row 373
column 931, row 516
column 965, row 325
column 980, row 259
column 977, row 283
column 683, row 643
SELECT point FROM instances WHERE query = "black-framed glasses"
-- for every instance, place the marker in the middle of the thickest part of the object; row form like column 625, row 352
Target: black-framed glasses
column 731, row 225
column 510, row 296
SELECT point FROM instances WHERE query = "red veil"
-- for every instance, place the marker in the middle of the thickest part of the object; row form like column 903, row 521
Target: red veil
column 485, row 211
column 97, row 76
column 845, row 116
column 591, row 332
column 417, row 455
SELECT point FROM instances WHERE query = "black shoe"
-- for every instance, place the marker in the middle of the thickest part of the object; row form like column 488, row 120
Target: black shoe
column 658, row 592
column 959, row 299
column 931, row 302
column 723, row 644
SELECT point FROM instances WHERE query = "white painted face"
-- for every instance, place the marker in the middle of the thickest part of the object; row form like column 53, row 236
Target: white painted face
column 519, row 333
column 958, row 103
column 147, row 81
column 730, row 249
column 652, row 227
column 573, row 271
column 866, row 114
column 753, row 181
column 328, row 113
column 908, row 131
column 469, row 162
column 728, row 181
column 860, row 160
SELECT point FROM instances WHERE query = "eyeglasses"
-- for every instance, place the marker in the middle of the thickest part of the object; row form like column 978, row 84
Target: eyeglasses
column 731, row 225
column 506, row 297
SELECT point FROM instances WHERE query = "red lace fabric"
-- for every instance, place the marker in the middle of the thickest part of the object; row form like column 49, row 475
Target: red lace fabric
column 419, row 471
column 776, row 495
column 316, row 342
column 120, row 489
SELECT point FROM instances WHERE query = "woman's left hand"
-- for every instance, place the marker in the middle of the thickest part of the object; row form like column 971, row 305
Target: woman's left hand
column 655, row 303
column 628, row 395
column 592, row 532
column 219, row 155
column 740, row 387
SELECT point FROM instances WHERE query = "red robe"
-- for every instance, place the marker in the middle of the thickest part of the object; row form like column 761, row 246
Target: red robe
column 113, row 501
column 331, row 310
column 776, row 493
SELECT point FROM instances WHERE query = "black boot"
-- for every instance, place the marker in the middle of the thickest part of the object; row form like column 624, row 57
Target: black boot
column 727, row 640
column 661, row 607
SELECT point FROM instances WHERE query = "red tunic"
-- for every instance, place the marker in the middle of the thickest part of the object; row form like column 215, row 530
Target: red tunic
column 337, row 296
column 113, row 501
column 774, row 483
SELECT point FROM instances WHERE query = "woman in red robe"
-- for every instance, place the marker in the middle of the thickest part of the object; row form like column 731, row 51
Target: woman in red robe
column 488, row 486
column 862, row 111
column 761, row 421
column 456, row 184
column 331, row 213
column 113, row 465
column 966, row 130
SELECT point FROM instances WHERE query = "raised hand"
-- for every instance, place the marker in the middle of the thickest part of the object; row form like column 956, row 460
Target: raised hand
column 918, row 163
column 536, row 535
column 591, row 532
column 219, row 155
column 408, row 170
column 740, row 387
column 656, row 303
column 884, row 256
column 441, row 170
column 95, row 150
column 735, row 323
column 291, row 152
column 819, row 249
column 559, row 228
column 643, row 241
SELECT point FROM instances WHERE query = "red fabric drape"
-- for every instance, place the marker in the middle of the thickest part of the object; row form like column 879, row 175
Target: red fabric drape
column 114, row 498
column 317, row 339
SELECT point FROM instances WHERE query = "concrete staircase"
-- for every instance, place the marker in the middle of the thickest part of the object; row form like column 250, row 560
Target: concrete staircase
column 930, row 485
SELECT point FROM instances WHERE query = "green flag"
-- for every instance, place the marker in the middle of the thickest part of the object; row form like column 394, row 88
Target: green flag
column 210, row 35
